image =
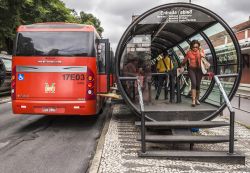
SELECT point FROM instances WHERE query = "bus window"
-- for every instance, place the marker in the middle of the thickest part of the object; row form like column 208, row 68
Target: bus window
column 55, row 44
column 7, row 63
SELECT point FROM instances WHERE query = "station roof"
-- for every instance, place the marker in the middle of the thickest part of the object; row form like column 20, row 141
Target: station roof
column 166, row 31
column 168, row 35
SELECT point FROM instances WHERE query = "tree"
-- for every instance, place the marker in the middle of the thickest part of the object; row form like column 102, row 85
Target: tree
column 22, row 12
column 9, row 17
column 86, row 18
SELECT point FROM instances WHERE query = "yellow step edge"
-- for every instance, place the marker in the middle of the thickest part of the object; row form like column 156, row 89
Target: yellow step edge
column 110, row 95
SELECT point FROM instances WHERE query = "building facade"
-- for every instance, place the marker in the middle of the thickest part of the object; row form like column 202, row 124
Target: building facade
column 243, row 34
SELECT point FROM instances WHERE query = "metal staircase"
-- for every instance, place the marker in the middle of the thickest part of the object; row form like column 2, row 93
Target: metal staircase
column 181, row 134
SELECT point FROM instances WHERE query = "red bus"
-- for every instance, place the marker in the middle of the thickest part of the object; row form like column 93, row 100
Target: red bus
column 59, row 69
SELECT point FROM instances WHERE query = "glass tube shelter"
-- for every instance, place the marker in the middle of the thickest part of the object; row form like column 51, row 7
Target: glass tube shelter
column 169, row 29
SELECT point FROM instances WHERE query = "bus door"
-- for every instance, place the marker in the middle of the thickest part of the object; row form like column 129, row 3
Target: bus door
column 103, row 61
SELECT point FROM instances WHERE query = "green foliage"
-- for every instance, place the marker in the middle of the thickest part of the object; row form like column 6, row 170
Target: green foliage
column 89, row 19
column 22, row 12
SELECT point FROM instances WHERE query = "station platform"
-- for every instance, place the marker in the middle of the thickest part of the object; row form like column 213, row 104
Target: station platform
column 163, row 105
column 164, row 110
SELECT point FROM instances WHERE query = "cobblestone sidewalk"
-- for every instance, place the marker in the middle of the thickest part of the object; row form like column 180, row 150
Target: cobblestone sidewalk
column 120, row 149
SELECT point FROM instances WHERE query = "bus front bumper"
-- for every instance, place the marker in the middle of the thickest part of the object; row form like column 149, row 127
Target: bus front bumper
column 54, row 107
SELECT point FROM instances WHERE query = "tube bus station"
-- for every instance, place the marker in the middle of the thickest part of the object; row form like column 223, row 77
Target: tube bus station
column 169, row 29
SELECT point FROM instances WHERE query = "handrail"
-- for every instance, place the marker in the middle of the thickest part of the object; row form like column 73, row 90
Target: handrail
column 136, row 78
column 241, row 94
column 230, row 108
column 227, row 75
column 128, row 78
column 157, row 74
column 143, row 130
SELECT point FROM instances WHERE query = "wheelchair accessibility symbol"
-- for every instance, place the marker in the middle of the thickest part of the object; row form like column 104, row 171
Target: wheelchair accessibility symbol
column 20, row 76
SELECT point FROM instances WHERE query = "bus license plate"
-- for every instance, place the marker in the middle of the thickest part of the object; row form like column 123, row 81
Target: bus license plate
column 49, row 109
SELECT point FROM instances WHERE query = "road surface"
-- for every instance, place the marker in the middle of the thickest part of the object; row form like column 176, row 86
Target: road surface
column 47, row 144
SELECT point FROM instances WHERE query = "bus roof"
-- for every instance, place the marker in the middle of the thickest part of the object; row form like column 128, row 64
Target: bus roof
column 56, row 26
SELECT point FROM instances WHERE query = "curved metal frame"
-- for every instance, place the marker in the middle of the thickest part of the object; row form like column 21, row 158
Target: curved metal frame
column 184, row 54
column 121, row 45
column 213, row 52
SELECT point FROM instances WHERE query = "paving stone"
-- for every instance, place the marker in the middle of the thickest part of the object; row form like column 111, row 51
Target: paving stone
column 121, row 147
column 206, row 169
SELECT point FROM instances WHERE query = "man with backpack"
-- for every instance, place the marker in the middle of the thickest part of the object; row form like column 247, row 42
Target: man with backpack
column 164, row 65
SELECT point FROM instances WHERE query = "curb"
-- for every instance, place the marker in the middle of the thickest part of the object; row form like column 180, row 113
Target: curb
column 95, row 163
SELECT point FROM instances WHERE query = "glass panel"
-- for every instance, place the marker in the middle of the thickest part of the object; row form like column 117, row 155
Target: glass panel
column 55, row 44
column 185, row 79
column 175, row 58
column 225, row 55
column 184, row 82
column 178, row 53
column 225, row 50
column 136, row 62
column 2, row 67
column 216, row 97
column 101, row 57
column 185, row 46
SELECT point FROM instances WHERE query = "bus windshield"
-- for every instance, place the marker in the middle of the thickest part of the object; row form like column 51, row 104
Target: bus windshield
column 55, row 44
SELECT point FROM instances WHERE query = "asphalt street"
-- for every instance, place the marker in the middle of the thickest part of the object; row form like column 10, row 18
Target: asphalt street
column 47, row 144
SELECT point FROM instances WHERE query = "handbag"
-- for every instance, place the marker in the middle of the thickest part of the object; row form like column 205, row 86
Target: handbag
column 205, row 65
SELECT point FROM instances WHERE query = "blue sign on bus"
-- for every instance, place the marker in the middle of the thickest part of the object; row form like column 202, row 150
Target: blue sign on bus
column 20, row 76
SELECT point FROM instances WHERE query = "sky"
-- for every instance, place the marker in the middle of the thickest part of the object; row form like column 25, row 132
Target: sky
column 116, row 15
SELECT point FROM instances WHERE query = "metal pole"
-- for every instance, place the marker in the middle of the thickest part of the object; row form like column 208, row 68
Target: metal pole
column 143, row 142
column 232, row 115
column 231, row 135
column 178, row 89
column 166, row 88
column 143, row 130
column 221, row 114
column 239, row 102
column 220, row 98
column 133, row 87
column 171, row 80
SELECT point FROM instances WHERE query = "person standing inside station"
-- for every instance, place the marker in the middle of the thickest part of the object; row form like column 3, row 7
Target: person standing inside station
column 164, row 65
column 193, row 56
column 131, row 70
